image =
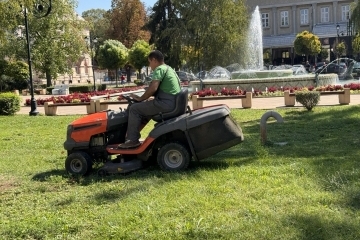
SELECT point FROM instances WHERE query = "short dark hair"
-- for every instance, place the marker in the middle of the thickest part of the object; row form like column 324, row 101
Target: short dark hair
column 157, row 55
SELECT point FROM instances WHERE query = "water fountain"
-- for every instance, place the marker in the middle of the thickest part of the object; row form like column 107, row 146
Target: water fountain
column 253, row 75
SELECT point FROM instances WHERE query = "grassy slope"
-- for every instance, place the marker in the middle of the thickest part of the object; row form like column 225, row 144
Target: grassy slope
column 308, row 189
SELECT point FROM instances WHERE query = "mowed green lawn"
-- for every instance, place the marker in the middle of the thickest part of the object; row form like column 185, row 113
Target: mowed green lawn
column 307, row 189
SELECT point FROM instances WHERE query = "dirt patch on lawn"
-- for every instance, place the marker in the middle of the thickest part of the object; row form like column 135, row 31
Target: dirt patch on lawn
column 7, row 184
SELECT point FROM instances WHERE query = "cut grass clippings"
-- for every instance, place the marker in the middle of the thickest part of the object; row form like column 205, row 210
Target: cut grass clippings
column 307, row 189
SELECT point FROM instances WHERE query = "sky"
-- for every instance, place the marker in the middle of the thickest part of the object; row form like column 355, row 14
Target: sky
column 84, row 5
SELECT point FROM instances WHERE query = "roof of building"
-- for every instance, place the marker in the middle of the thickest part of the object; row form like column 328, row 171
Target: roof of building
column 320, row 30
column 278, row 41
column 329, row 30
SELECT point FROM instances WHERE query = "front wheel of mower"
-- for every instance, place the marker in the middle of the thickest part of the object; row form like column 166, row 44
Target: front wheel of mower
column 78, row 163
column 173, row 157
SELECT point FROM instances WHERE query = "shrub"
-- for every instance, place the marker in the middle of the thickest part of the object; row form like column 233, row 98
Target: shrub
column 138, row 82
column 9, row 103
column 308, row 99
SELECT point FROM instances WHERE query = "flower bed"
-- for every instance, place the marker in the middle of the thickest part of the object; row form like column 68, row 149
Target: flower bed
column 275, row 92
column 81, row 97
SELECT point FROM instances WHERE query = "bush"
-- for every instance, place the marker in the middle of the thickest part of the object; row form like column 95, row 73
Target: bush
column 9, row 103
column 138, row 82
column 308, row 99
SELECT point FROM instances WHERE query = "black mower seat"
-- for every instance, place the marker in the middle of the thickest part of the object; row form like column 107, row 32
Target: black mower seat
column 181, row 103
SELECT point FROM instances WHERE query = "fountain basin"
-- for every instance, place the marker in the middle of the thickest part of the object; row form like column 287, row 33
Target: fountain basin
column 261, row 84
column 249, row 74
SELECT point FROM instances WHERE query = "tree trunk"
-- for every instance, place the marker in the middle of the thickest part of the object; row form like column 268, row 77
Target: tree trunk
column 116, row 77
column 48, row 78
column 128, row 73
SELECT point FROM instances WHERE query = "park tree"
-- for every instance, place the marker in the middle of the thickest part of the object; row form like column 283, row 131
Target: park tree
column 355, row 14
column 99, row 23
column 127, row 18
column 57, row 41
column 3, row 77
column 206, row 32
column 138, row 54
column 340, row 49
column 324, row 54
column 307, row 43
column 18, row 75
column 356, row 44
column 112, row 54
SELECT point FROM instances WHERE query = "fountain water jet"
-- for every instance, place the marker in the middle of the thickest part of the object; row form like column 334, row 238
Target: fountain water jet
column 253, row 76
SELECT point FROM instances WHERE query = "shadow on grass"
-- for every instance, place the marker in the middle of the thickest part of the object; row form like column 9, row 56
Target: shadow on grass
column 44, row 176
column 321, row 228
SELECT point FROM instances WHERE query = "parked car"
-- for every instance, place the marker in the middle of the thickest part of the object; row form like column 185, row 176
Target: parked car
column 202, row 74
column 185, row 77
column 332, row 68
column 356, row 69
column 319, row 65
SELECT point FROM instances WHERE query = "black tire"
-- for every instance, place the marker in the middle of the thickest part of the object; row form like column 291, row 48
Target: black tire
column 102, row 173
column 78, row 163
column 173, row 157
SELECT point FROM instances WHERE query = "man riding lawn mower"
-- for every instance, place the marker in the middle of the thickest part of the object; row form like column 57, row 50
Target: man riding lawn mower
column 179, row 135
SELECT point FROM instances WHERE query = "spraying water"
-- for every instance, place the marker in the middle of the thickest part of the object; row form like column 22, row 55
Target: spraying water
column 254, row 49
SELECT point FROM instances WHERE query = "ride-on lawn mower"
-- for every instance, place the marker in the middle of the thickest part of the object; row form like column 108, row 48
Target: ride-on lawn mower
column 177, row 138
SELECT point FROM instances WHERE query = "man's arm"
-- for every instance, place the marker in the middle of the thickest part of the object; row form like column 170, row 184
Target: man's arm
column 154, row 85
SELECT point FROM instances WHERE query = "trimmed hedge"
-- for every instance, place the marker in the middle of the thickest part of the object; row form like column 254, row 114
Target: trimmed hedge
column 9, row 103
column 81, row 88
column 308, row 99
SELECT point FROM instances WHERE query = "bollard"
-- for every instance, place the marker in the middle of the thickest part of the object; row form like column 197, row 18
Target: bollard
column 263, row 121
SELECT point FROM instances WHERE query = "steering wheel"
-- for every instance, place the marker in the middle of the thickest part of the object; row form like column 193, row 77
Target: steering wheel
column 129, row 99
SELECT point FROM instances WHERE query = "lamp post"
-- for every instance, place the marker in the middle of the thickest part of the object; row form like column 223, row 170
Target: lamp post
column 42, row 9
column 92, row 42
column 337, row 43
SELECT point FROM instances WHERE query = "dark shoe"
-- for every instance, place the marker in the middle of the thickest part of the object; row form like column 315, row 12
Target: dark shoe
column 129, row 144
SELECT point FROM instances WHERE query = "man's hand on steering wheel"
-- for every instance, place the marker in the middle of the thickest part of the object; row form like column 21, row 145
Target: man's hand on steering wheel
column 135, row 97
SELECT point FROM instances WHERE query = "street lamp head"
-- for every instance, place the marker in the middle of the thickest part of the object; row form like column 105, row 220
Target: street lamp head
column 337, row 27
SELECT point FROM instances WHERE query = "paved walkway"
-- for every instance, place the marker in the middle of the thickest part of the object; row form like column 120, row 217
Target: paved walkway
column 257, row 103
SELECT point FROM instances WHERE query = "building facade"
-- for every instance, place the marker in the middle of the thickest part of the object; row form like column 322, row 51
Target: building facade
column 282, row 20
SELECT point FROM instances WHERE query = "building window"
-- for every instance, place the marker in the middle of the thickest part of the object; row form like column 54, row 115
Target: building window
column 285, row 54
column 284, row 18
column 265, row 20
column 304, row 16
column 345, row 12
column 325, row 15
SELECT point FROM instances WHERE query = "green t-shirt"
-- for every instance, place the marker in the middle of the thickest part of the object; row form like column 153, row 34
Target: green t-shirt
column 169, row 83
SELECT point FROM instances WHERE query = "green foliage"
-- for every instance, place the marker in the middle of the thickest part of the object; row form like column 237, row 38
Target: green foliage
column 307, row 43
column 9, row 103
column 340, row 49
column 356, row 43
column 197, row 32
column 99, row 23
column 355, row 14
column 267, row 56
column 324, row 54
column 309, row 99
column 57, row 40
column 138, row 54
column 18, row 73
column 139, row 82
column 112, row 54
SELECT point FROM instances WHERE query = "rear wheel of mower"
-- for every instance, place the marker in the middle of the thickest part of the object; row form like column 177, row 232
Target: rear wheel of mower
column 173, row 157
column 78, row 163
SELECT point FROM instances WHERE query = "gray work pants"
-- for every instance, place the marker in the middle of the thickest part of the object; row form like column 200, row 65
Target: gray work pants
column 146, row 110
